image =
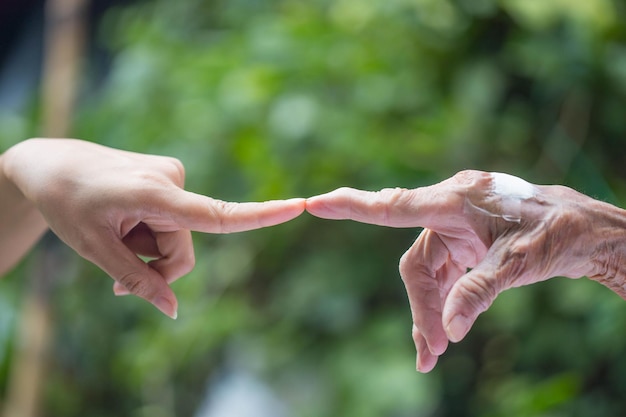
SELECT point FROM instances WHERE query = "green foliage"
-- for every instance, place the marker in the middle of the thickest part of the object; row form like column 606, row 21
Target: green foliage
column 283, row 98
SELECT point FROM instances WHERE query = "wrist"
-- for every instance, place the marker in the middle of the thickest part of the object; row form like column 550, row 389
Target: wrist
column 21, row 224
column 15, row 167
column 608, row 259
column 16, row 164
column 12, row 196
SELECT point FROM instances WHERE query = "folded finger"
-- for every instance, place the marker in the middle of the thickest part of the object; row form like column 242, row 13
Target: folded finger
column 137, row 277
column 119, row 289
column 419, row 269
column 474, row 293
column 426, row 360
column 175, row 257
column 177, row 254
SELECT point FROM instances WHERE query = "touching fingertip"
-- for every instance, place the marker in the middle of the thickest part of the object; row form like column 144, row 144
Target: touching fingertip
column 299, row 203
column 319, row 207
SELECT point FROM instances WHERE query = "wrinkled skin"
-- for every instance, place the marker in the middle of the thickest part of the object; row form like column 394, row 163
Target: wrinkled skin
column 111, row 206
column 506, row 241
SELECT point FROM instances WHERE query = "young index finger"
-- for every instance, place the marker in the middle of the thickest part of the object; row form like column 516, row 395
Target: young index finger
column 204, row 214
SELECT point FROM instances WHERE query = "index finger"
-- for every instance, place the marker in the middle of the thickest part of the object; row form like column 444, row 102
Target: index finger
column 437, row 206
column 204, row 214
column 394, row 207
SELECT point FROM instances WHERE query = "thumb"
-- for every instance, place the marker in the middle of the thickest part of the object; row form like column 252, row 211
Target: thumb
column 135, row 275
column 145, row 282
column 471, row 295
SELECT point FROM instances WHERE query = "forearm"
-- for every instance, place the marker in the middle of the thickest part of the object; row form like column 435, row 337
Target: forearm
column 21, row 224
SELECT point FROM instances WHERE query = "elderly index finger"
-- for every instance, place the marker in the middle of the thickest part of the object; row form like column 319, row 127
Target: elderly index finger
column 394, row 207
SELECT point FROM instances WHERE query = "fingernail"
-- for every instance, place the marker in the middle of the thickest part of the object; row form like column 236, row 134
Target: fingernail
column 120, row 291
column 166, row 307
column 438, row 350
column 458, row 328
column 417, row 363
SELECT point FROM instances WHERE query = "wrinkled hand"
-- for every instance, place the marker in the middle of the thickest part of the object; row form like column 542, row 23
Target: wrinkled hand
column 111, row 206
column 509, row 232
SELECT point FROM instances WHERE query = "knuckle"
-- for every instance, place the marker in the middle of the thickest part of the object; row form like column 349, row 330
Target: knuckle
column 394, row 196
column 415, row 333
column 404, row 265
column 472, row 179
column 220, row 211
column 478, row 294
column 467, row 176
column 164, row 169
column 413, row 271
column 389, row 198
column 179, row 170
column 136, row 283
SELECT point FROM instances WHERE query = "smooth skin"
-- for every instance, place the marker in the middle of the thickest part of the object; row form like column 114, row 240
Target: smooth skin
column 477, row 243
column 111, row 206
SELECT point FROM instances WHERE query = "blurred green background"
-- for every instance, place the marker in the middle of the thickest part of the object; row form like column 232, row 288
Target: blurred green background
column 282, row 98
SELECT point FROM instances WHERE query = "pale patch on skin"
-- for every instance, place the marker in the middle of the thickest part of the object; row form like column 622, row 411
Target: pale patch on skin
column 509, row 186
column 510, row 191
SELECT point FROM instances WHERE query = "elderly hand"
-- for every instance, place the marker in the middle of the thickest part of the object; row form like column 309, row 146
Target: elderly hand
column 509, row 232
column 111, row 206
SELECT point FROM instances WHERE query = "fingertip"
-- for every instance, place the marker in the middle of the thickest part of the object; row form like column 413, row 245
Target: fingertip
column 119, row 290
column 314, row 206
column 328, row 205
column 470, row 296
column 425, row 360
column 297, row 205
column 278, row 211
column 132, row 275
column 439, row 348
column 458, row 327
column 299, row 201
column 167, row 304
column 165, row 301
